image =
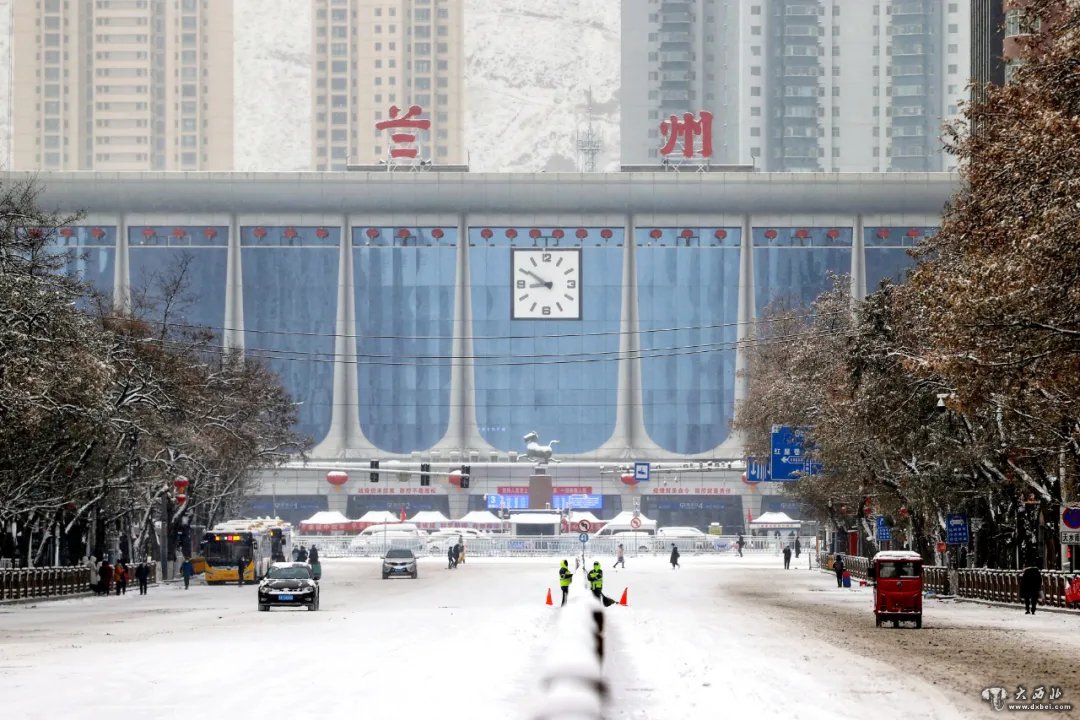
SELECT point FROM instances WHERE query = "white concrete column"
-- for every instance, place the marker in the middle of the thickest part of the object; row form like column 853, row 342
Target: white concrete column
column 121, row 300
column 233, row 334
column 345, row 437
column 858, row 261
column 462, row 431
column 735, row 444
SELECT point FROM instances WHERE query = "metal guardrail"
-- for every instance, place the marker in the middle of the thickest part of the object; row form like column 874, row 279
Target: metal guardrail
column 1001, row 586
column 544, row 546
column 43, row 582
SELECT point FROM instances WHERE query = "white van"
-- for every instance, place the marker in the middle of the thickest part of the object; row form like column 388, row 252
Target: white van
column 685, row 536
column 609, row 530
column 379, row 538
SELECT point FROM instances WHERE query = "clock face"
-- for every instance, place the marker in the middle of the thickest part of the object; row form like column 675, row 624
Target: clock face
column 546, row 284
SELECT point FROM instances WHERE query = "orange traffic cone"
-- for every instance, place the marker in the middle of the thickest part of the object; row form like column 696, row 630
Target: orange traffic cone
column 548, row 601
column 622, row 600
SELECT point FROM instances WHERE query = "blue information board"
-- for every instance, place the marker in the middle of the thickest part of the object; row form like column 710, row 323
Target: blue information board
column 883, row 531
column 558, row 502
column 510, row 502
column 956, row 529
column 757, row 470
column 789, row 455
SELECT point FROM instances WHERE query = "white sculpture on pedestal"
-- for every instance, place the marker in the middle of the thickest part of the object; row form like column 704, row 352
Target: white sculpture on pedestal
column 542, row 454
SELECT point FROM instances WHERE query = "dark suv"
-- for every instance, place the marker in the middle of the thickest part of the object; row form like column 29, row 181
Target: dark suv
column 289, row 584
column 399, row 561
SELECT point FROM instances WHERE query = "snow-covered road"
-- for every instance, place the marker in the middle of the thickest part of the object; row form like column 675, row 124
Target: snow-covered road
column 739, row 637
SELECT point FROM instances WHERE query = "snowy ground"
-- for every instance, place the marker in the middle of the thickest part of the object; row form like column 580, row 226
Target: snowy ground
column 723, row 636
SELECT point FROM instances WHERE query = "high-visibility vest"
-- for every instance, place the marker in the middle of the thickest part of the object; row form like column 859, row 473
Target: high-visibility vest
column 565, row 576
column 597, row 577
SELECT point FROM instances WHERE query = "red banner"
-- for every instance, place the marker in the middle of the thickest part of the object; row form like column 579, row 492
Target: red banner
column 397, row 491
column 557, row 490
column 691, row 491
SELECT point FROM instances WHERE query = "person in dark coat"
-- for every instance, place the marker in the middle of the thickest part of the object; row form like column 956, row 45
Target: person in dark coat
column 296, row 554
column 187, row 570
column 105, row 575
column 451, row 557
column 303, row 554
column 458, row 550
column 838, row 568
column 142, row 574
column 798, row 547
column 241, row 565
column 120, row 576
column 1030, row 588
column 787, row 557
column 739, row 544
column 674, row 556
column 313, row 555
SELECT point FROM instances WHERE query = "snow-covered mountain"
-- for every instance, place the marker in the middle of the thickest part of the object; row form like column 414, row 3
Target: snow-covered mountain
column 529, row 67
column 272, row 85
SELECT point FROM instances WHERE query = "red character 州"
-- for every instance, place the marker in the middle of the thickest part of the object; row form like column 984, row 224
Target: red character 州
column 685, row 128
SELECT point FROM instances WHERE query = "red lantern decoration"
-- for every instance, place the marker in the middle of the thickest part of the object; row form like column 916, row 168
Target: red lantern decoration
column 372, row 233
column 35, row 233
column 181, row 499
column 66, row 232
column 97, row 233
column 455, row 479
column 486, row 233
column 687, row 233
column 771, row 234
column 181, row 483
column 720, row 234
column 178, row 233
column 70, row 506
column 557, row 233
column 581, row 233
column 259, row 232
column 437, row 233
column 148, row 232
column 337, row 478
column 322, row 233
column 914, row 233
column 209, row 233
column 802, row 233
column 606, row 233
column 883, row 233
column 628, row 479
column 511, row 233
column 290, row 233
column 832, row 234
column 403, row 232
column 656, row 233
column 534, row 233
column 904, row 512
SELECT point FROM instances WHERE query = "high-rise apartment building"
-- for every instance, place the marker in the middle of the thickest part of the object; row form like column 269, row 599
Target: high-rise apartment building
column 371, row 55
column 122, row 85
column 798, row 85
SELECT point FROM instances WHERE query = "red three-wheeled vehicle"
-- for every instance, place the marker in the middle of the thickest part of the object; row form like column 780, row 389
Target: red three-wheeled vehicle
column 898, row 585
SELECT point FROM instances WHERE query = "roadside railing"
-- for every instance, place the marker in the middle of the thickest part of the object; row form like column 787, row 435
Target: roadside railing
column 543, row 546
column 43, row 582
column 975, row 583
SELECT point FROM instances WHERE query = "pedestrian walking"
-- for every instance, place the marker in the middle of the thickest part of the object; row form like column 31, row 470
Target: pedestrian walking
column 296, row 554
column 313, row 555
column 674, row 556
column 565, row 576
column 838, row 568
column 186, row 571
column 241, row 566
column 620, row 557
column 739, row 545
column 451, row 557
column 302, row 557
column 142, row 574
column 120, row 577
column 798, row 547
column 461, row 550
column 787, row 557
column 1030, row 588
column 105, row 576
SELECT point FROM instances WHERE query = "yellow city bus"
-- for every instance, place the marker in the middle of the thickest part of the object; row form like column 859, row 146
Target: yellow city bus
column 260, row 542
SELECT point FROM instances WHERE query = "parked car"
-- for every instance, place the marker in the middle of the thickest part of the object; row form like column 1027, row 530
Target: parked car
column 289, row 584
column 441, row 540
column 378, row 538
column 398, row 562
column 690, row 537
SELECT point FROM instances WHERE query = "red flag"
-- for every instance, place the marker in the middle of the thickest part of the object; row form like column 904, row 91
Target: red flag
column 402, row 515
column 749, row 516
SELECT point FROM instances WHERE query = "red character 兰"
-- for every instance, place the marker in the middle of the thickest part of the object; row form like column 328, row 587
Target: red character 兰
column 408, row 120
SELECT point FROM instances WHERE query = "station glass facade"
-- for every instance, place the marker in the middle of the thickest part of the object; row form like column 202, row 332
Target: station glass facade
column 887, row 253
column 687, row 288
column 290, row 311
column 695, row 511
column 795, row 263
column 557, row 377
column 90, row 255
column 197, row 256
column 404, row 292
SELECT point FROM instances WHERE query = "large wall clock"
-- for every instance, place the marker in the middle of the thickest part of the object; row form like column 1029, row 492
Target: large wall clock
column 545, row 283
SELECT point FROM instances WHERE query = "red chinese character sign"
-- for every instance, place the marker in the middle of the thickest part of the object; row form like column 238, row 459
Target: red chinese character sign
column 685, row 129
column 399, row 127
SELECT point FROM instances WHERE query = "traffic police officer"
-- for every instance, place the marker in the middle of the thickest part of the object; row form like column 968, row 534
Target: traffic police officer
column 596, row 580
column 565, row 576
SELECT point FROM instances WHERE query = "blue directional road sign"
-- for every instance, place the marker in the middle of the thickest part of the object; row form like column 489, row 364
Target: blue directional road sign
column 756, row 470
column 883, row 531
column 583, row 537
column 641, row 471
column 956, row 529
column 789, row 455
